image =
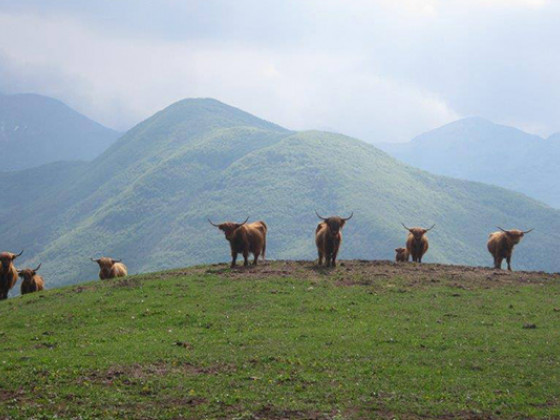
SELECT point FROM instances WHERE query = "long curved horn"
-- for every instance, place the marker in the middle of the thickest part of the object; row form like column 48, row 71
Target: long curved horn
column 527, row 231
column 39, row 266
column 349, row 217
column 433, row 226
column 94, row 260
column 502, row 229
column 405, row 226
column 319, row 216
column 17, row 255
column 244, row 221
column 213, row 224
column 116, row 261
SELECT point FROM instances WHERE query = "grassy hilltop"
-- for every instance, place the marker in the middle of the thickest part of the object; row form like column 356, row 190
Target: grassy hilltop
column 146, row 199
column 287, row 339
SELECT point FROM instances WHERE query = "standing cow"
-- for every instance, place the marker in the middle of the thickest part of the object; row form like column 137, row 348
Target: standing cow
column 401, row 255
column 245, row 238
column 328, row 237
column 32, row 282
column 417, row 242
column 8, row 273
column 110, row 268
column 500, row 245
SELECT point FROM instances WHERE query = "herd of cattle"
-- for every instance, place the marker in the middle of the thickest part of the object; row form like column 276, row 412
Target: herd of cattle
column 250, row 238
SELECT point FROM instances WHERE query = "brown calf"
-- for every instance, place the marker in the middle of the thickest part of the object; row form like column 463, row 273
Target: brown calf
column 8, row 273
column 110, row 268
column 245, row 238
column 417, row 242
column 500, row 245
column 328, row 237
column 32, row 282
column 402, row 255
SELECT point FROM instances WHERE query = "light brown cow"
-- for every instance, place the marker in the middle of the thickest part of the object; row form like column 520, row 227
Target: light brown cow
column 417, row 242
column 32, row 282
column 402, row 255
column 110, row 268
column 245, row 238
column 500, row 245
column 8, row 273
column 328, row 237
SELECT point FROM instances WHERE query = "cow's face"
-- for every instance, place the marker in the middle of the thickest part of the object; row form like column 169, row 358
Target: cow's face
column 400, row 251
column 229, row 229
column 418, row 232
column 7, row 258
column 105, row 263
column 335, row 225
column 515, row 235
column 27, row 273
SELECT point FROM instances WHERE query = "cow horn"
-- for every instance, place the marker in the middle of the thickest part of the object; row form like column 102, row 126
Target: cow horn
column 244, row 221
column 213, row 224
column 433, row 226
column 527, row 231
column 319, row 216
column 17, row 255
column 116, row 261
column 349, row 217
column 502, row 229
column 94, row 260
column 39, row 266
column 405, row 226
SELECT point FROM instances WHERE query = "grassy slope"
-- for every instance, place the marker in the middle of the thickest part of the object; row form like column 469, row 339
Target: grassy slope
column 147, row 198
column 287, row 340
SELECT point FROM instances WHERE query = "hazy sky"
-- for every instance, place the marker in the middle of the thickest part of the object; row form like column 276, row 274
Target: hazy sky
column 381, row 70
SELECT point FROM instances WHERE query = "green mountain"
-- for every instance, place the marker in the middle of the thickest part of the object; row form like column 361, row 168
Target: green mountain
column 479, row 150
column 146, row 199
column 35, row 130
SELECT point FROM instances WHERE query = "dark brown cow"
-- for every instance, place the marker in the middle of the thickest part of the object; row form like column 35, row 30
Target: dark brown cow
column 328, row 237
column 110, row 268
column 500, row 245
column 32, row 282
column 245, row 238
column 8, row 273
column 417, row 242
column 402, row 255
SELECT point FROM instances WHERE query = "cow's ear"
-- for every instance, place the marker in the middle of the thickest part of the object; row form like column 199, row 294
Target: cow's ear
column 396, row 249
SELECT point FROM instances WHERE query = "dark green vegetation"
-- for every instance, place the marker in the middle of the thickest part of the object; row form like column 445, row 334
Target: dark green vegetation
column 35, row 130
column 478, row 150
column 146, row 199
column 287, row 340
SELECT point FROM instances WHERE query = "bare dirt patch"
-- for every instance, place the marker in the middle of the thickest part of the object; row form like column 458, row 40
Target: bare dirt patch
column 362, row 272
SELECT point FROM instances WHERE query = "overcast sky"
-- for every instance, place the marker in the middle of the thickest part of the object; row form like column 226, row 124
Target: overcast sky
column 381, row 70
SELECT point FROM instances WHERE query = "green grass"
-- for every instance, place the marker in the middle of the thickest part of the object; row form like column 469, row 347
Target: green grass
column 210, row 342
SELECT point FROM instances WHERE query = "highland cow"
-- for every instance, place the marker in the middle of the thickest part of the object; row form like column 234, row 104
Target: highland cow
column 402, row 255
column 328, row 237
column 245, row 238
column 32, row 282
column 417, row 242
column 500, row 245
column 8, row 273
column 110, row 268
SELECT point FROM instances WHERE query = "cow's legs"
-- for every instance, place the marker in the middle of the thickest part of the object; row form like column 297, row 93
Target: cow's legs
column 245, row 258
column 256, row 255
column 508, row 259
column 233, row 258
column 320, row 262
column 498, row 263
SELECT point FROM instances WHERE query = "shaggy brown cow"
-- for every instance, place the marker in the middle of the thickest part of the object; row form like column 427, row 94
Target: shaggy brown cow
column 32, row 282
column 110, row 268
column 417, row 242
column 500, row 245
column 8, row 273
column 244, row 239
column 328, row 237
column 402, row 255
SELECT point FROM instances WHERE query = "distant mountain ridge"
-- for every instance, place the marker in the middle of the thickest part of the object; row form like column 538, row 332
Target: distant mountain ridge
column 36, row 129
column 147, row 198
column 478, row 150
